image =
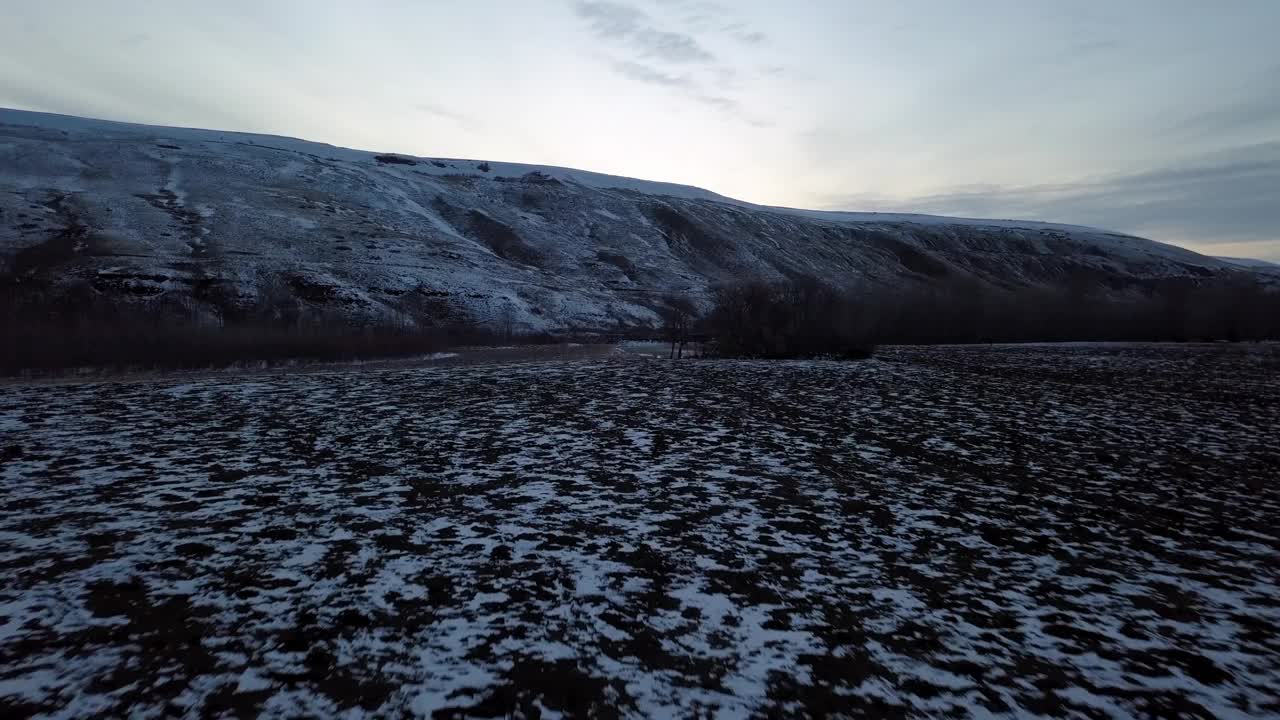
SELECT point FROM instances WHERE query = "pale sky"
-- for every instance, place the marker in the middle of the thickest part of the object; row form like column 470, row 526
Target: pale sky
column 1158, row 117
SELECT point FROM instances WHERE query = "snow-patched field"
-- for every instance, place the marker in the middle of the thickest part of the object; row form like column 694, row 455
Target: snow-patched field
column 1082, row 530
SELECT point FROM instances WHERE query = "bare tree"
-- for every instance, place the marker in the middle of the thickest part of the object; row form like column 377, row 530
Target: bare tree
column 678, row 315
column 276, row 303
column 507, row 322
column 799, row 318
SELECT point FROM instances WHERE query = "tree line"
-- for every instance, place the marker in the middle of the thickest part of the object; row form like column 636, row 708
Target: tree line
column 808, row 318
column 48, row 332
column 798, row 318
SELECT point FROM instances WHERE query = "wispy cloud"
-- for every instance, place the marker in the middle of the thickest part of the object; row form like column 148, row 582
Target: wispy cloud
column 1222, row 198
column 465, row 121
column 634, row 28
column 703, row 16
column 648, row 74
column 690, row 89
column 673, row 54
column 1257, row 113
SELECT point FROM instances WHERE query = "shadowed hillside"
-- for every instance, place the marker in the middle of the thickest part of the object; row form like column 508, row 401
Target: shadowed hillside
column 217, row 227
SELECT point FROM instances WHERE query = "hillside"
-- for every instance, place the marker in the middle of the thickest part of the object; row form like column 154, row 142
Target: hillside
column 222, row 224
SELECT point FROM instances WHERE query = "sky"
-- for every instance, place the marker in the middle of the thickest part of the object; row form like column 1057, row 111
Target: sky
column 1155, row 117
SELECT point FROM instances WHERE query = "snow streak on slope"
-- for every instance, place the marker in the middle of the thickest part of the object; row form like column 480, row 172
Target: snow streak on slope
column 222, row 221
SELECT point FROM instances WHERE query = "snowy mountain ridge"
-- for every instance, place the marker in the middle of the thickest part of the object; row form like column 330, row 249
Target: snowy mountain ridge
column 217, row 222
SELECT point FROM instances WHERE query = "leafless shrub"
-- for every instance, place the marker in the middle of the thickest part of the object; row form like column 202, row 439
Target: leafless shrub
column 394, row 160
column 48, row 336
column 39, row 349
column 679, row 314
column 506, row 322
column 808, row 319
column 803, row 318
column 1232, row 307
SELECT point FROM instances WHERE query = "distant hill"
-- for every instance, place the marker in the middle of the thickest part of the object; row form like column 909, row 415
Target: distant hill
column 1250, row 263
column 220, row 223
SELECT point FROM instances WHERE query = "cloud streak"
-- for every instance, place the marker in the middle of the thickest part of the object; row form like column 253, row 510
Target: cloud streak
column 650, row 75
column 677, row 60
column 689, row 88
column 635, row 29
column 1258, row 114
column 465, row 121
column 712, row 17
column 1224, row 198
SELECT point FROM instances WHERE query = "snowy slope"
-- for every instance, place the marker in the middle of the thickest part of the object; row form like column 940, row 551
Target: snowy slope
column 220, row 222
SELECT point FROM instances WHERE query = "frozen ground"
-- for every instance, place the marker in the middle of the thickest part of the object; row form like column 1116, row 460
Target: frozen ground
column 1086, row 531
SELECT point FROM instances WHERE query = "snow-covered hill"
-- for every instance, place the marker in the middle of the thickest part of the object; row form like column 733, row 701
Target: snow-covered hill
column 221, row 222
